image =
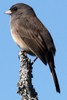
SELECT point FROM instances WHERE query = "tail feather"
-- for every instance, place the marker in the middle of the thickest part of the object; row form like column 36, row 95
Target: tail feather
column 55, row 80
column 52, row 69
column 50, row 60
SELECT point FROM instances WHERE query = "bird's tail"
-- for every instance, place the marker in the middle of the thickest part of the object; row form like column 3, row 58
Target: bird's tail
column 52, row 69
column 50, row 61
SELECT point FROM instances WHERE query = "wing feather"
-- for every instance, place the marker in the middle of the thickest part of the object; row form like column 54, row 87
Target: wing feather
column 36, row 36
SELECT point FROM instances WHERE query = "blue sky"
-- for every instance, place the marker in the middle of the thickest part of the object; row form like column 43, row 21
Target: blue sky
column 53, row 14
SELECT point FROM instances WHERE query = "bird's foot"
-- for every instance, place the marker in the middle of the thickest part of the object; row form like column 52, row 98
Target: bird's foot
column 34, row 60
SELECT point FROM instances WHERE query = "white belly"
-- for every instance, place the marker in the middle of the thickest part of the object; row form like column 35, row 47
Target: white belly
column 16, row 37
column 18, row 40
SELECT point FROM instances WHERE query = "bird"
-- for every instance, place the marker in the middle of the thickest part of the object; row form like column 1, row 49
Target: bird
column 32, row 36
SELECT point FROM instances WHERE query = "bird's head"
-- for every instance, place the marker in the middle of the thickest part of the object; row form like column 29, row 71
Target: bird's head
column 20, row 8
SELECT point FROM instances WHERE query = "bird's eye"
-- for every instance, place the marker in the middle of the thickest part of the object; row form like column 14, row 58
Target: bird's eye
column 15, row 8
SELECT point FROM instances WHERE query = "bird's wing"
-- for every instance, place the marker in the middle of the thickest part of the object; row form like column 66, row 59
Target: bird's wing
column 35, row 27
column 34, row 36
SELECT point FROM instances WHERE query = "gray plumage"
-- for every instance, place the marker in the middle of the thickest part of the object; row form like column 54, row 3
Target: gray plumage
column 32, row 36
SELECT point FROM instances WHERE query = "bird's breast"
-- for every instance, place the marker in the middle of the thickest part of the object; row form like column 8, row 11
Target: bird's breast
column 16, row 37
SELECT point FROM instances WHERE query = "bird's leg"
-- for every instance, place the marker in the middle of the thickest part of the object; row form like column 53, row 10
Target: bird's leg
column 25, row 53
column 34, row 60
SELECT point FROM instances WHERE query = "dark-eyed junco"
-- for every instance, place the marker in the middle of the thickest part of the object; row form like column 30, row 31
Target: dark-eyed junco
column 32, row 36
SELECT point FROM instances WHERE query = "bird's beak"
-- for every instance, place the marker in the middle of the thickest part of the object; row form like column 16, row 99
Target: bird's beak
column 9, row 12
